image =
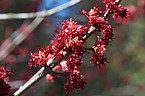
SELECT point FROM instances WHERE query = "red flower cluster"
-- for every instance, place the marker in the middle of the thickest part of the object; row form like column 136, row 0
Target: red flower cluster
column 105, row 29
column 131, row 15
column 39, row 58
column 74, row 81
column 98, row 56
column 94, row 17
column 119, row 11
column 116, row 8
column 70, row 38
column 67, row 39
column 4, row 88
column 4, row 73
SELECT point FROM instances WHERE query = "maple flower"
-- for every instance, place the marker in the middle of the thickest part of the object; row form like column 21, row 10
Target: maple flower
column 74, row 81
column 131, row 15
column 107, row 34
column 105, row 30
column 100, row 24
column 94, row 17
column 4, row 73
column 68, row 38
column 98, row 55
column 73, row 62
column 39, row 58
column 119, row 11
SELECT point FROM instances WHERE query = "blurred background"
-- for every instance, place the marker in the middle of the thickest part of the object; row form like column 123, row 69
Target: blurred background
column 124, row 75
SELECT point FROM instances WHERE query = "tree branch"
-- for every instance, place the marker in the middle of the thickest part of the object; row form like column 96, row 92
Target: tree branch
column 51, row 62
column 42, row 14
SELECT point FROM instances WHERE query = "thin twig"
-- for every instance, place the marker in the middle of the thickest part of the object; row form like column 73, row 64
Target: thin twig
column 43, row 13
column 37, row 76
column 19, row 35
column 88, row 48
column 29, row 83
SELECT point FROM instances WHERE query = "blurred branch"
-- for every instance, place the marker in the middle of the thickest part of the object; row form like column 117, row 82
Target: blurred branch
column 43, row 13
column 19, row 35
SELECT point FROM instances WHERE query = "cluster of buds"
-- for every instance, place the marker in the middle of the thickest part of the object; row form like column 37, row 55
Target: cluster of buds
column 67, row 46
column 116, row 8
